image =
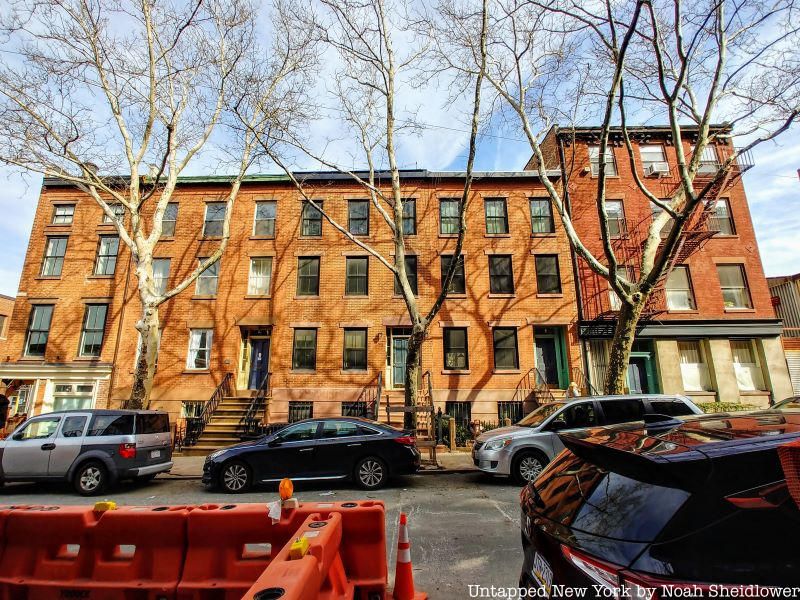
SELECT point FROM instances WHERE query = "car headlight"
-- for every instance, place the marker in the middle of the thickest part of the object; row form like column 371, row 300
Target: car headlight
column 214, row 455
column 497, row 444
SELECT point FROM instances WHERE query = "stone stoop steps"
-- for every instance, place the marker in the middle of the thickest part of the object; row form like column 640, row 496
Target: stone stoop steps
column 222, row 429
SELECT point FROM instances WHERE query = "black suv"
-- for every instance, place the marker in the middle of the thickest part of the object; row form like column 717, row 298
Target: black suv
column 700, row 504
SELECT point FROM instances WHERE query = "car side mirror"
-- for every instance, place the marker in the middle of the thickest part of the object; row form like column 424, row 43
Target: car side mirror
column 16, row 437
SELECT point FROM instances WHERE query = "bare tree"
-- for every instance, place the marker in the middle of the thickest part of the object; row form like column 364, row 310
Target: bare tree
column 363, row 37
column 684, row 63
column 91, row 89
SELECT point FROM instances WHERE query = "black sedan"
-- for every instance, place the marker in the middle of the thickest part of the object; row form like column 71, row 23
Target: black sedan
column 333, row 448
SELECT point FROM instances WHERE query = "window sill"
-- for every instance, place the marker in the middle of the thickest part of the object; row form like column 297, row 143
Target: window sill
column 209, row 238
column 551, row 234
column 307, row 297
column 87, row 359
column 691, row 311
column 511, row 295
column 169, row 238
column 753, row 392
column 196, row 372
column 203, row 297
column 258, row 296
column 261, row 237
column 353, row 371
column 355, row 297
column 48, row 277
column 32, row 359
column 456, row 371
column 725, row 236
column 65, row 227
column 703, row 393
column 740, row 310
column 101, row 276
column 506, row 371
column 309, row 237
column 455, row 296
column 450, row 236
column 302, row 371
column 497, row 235
column 558, row 295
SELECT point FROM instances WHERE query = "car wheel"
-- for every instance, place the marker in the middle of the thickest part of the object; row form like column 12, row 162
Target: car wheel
column 371, row 473
column 527, row 466
column 90, row 479
column 235, row 477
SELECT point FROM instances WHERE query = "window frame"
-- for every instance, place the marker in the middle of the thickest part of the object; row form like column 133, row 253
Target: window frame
column 162, row 282
column 54, row 219
column 307, row 219
column 449, row 349
column 269, row 220
column 39, row 332
column 594, row 161
column 57, row 260
column 450, row 219
column 704, row 373
column 731, row 225
column 358, row 277
column 119, row 212
column 689, row 289
column 315, row 277
column 554, row 258
column 412, row 218
column 365, row 219
column 495, row 219
column 208, row 222
column 296, row 364
column 515, row 337
column 251, row 276
column 413, row 280
column 170, row 231
column 94, row 330
column 655, row 211
column 551, row 226
column 745, row 286
column 462, row 276
column 614, row 301
column 493, row 277
column 107, row 258
column 755, row 365
column 361, row 366
column 621, row 225
column 191, row 365
column 204, row 276
column 647, row 162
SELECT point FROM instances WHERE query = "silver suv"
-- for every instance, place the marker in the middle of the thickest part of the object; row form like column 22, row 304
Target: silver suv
column 523, row 450
column 90, row 448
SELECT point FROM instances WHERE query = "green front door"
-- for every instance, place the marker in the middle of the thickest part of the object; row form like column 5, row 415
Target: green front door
column 551, row 356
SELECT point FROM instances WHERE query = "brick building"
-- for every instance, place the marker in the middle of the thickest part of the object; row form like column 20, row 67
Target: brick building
column 293, row 297
column 785, row 292
column 710, row 330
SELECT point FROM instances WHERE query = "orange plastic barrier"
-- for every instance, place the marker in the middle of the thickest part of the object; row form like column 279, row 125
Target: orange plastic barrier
column 59, row 552
column 790, row 461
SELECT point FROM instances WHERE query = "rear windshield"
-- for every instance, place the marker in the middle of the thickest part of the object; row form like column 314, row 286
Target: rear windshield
column 152, row 423
column 671, row 408
column 583, row 497
column 111, row 425
column 539, row 415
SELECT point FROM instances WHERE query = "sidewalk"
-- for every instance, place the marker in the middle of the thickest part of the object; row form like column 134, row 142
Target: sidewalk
column 191, row 467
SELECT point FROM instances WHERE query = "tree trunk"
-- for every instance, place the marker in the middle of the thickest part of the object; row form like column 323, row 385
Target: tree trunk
column 413, row 369
column 145, row 367
column 620, row 353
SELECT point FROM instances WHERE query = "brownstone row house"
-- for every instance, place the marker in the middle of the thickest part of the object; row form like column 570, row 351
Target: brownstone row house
column 292, row 297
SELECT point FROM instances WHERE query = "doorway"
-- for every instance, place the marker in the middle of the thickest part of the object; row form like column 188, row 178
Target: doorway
column 550, row 355
column 397, row 351
column 259, row 361
column 641, row 376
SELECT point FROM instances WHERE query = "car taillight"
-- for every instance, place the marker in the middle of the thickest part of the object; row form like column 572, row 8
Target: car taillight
column 406, row 440
column 604, row 573
column 127, row 450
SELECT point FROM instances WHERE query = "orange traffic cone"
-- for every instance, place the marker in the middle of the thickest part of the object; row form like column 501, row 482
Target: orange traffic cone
column 403, row 575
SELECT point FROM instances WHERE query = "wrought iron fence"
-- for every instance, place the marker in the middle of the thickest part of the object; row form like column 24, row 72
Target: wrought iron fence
column 300, row 410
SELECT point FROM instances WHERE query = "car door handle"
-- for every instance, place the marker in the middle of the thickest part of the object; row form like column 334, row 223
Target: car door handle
column 354, row 444
column 50, row 446
column 306, row 449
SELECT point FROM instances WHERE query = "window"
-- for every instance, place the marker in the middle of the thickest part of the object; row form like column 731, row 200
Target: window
column 501, row 277
column 111, row 425
column 542, row 216
column 38, row 330
column 150, row 423
column 38, row 429
column 679, row 290
column 721, row 219
column 264, row 220
column 509, row 410
column 594, row 161
column 304, row 350
column 460, row 411
column 409, row 216
column 339, row 429
column 54, row 256
column 260, row 276
column 94, row 325
column 734, row 286
column 694, row 371
column 456, row 352
column 73, row 427
column 671, row 408
column 358, row 217
column 161, row 274
column 191, row 410
column 505, row 348
column 548, row 279
column 117, row 209
column 169, row 220
column 580, row 414
column 355, row 350
column 622, row 411
column 357, row 276
column 215, row 219
column 208, row 280
column 653, row 156
column 708, row 160
column 616, row 217
column 308, row 276
column 3, row 321
column 63, row 214
column 411, row 274
column 107, row 255
column 448, row 216
column 311, row 225
column 199, row 348
column 355, row 409
column 302, row 432
column 623, row 272
column 496, row 216
column 458, row 284
column 749, row 376
column 68, row 396
column 656, row 211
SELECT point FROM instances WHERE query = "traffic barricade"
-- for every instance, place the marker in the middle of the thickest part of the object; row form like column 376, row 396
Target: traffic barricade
column 790, row 461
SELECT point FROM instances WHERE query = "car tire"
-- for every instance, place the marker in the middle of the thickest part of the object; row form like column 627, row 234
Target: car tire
column 91, row 478
column 235, row 477
column 527, row 465
column 371, row 473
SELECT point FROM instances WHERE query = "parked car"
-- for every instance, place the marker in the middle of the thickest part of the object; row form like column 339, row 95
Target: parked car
column 90, row 448
column 791, row 403
column 523, row 450
column 697, row 504
column 333, row 448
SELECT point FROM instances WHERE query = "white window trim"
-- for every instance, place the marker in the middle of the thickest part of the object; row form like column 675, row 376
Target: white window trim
column 251, row 291
column 190, row 357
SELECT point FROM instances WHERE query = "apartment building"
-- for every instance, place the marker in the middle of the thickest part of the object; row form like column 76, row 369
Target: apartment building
column 710, row 330
column 786, row 300
column 294, row 298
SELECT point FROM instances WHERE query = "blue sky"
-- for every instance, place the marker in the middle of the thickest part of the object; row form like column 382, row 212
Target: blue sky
column 773, row 189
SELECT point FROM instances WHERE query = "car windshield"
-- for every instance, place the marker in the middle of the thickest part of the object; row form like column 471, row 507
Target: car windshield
column 540, row 414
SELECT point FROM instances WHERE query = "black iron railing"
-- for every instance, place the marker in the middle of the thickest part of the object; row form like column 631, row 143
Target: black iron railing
column 252, row 423
column 196, row 425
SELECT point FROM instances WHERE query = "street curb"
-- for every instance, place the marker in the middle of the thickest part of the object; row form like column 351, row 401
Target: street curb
column 425, row 472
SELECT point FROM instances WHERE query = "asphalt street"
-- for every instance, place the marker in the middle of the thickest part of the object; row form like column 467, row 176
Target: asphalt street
column 464, row 527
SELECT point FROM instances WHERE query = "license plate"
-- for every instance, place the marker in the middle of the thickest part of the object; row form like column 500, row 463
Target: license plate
column 155, row 453
column 542, row 573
